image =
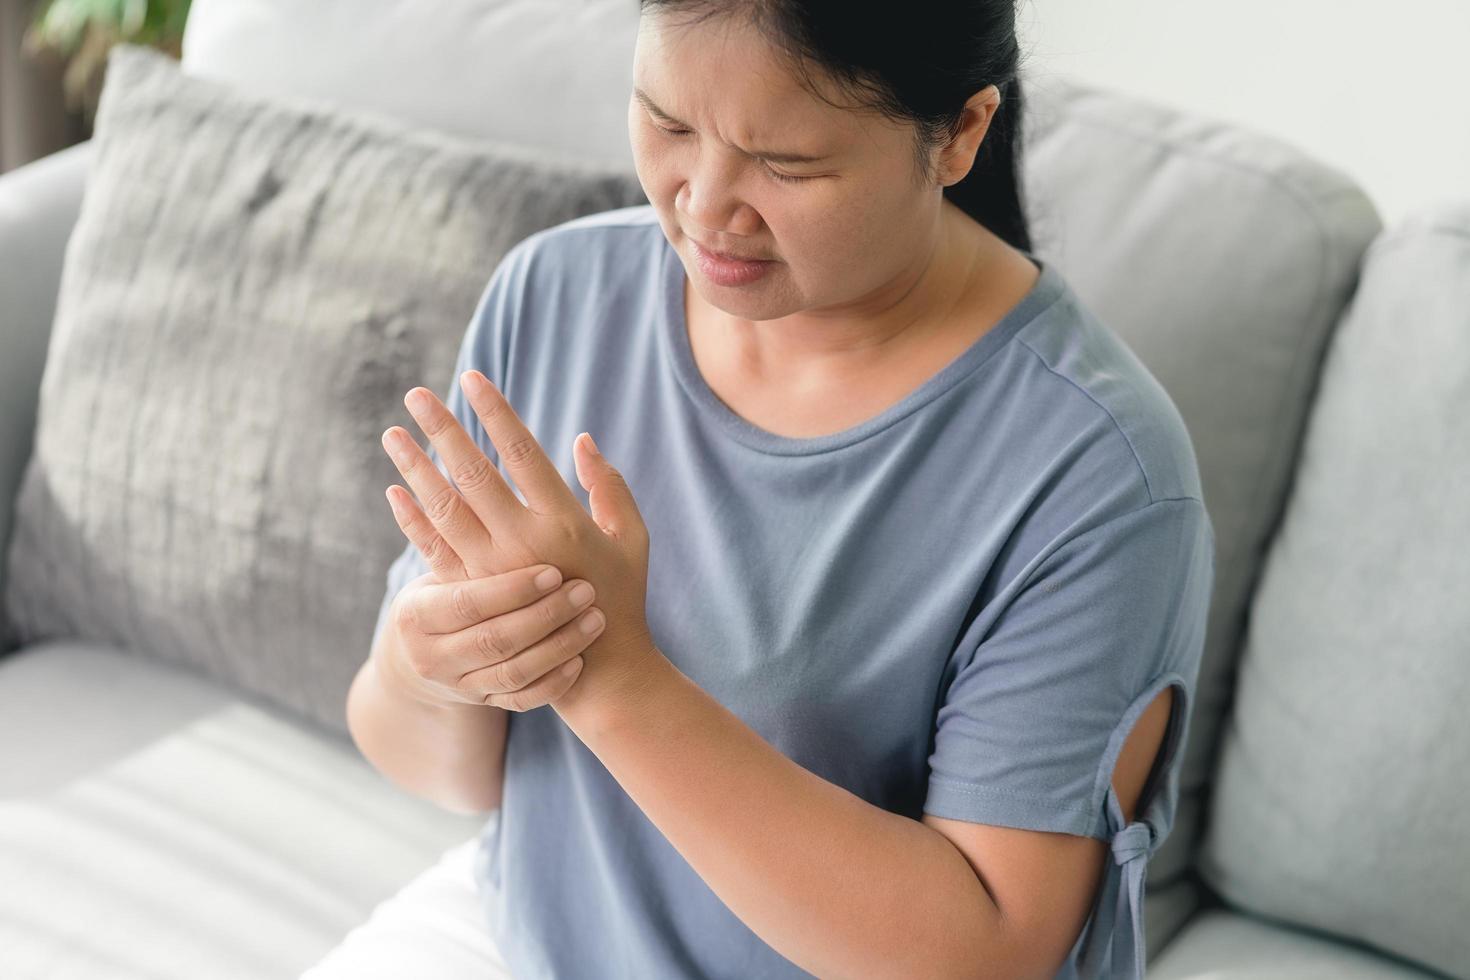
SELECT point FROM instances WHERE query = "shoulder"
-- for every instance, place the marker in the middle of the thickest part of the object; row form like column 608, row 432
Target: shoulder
column 600, row 232
column 633, row 216
column 606, row 251
column 1091, row 381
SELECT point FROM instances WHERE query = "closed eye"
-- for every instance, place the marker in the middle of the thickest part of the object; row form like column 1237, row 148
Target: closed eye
column 785, row 178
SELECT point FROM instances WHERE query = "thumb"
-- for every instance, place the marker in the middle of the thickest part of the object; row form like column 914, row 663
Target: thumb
column 613, row 507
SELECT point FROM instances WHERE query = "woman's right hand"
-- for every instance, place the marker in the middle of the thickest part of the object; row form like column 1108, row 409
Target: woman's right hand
column 500, row 640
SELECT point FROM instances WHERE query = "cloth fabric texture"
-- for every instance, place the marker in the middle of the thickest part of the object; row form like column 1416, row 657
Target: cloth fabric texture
column 1352, row 726
column 431, row 927
column 958, row 606
column 249, row 290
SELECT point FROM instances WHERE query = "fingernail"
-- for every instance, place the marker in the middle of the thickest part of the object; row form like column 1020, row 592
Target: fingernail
column 398, row 443
column 590, row 623
column 418, row 399
column 582, row 593
column 393, row 502
column 592, row 445
column 548, row 579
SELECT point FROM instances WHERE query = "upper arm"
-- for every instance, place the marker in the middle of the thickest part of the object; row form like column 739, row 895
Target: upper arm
column 1043, row 883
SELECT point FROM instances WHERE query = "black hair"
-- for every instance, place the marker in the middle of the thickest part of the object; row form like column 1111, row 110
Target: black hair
column 918, row 66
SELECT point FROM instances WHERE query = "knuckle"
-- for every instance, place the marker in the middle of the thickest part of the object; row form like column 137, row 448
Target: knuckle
column 519, row 451
column 514, row 701
column 549, row 614
column 508, row 676
column 441, row 504
column 436, row 423
column 438, row 552
column 570, row 641
column 568, row 532
column 462, row 602
column 405, row 618
column 473, row 473
column 491, row 641
column 496, row 412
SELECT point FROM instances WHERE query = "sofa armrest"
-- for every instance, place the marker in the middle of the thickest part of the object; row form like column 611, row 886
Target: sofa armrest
column 39, row 204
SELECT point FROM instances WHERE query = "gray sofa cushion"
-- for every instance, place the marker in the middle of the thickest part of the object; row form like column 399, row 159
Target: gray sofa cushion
column 1345, row 772
column 1223, row 257
column 38, row 207
column 1219, row 944
column 250, row 289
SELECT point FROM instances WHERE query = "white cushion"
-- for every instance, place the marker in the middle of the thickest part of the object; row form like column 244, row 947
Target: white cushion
column 555, row 74
column 223, row 840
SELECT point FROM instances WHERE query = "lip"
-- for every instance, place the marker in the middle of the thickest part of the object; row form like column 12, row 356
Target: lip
column 726, row 255
column 726, row 271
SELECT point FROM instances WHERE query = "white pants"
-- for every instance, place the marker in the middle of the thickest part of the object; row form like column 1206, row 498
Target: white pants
column 430, row 928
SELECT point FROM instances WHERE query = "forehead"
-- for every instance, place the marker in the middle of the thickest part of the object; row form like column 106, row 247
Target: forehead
column 722, row 71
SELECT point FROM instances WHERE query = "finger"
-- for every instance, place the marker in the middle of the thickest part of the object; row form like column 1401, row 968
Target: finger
column 456, row 606
column 608, row 495
column 541, row 662
column 441, row 503
column 499, row 642
column 537, row 477
column 480, row 484
column 441, row 558
column 546, row 689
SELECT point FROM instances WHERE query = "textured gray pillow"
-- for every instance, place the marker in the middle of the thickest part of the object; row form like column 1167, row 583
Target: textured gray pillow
column 1344, row 778
column 251, row 287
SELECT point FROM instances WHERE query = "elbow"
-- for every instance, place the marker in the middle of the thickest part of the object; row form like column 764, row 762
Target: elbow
column 990, row 954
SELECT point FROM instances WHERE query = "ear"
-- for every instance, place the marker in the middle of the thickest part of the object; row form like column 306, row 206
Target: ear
column 956, row 159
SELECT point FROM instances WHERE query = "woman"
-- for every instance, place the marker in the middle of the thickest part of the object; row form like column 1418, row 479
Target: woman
column 901, row 576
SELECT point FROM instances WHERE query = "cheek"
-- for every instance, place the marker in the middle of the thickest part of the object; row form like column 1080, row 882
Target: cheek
column 656, row 171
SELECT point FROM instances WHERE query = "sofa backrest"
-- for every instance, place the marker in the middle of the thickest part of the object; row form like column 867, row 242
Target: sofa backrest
column 1344, row 773
column 555, row 74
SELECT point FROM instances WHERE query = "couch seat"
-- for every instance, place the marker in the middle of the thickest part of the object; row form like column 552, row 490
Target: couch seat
column 154, row 824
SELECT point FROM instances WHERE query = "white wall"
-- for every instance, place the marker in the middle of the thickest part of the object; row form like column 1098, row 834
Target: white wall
column 1380, row 90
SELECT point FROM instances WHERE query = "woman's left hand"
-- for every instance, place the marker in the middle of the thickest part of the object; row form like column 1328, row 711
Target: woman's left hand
column 608, row 548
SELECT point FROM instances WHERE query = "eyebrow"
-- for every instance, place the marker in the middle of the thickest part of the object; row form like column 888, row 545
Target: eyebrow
column 772, row 156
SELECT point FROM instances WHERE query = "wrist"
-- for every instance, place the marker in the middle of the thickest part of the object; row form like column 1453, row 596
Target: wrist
column 615, row 687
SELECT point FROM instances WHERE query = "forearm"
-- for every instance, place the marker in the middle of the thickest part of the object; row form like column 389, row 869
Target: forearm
column 453, row 756
column 836, row 885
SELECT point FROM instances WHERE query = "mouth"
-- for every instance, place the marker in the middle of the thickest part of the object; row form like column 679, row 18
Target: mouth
column 724, row 271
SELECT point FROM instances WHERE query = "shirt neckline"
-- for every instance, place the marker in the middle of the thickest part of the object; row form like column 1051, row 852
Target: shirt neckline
column 1046, row 290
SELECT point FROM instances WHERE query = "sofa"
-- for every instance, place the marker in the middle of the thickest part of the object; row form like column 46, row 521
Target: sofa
column 162, row 818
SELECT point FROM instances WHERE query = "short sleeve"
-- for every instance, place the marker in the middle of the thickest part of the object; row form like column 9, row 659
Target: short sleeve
column 1038, row 708
column 485, row 347
column 1034, row 713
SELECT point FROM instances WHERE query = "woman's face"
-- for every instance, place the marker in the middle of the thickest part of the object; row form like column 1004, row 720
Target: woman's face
column 850, row 230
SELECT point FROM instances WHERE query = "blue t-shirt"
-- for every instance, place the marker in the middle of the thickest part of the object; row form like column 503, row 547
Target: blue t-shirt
column 959, row 606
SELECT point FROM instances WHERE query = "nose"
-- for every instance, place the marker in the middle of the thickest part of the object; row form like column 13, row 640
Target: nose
column 711, row 200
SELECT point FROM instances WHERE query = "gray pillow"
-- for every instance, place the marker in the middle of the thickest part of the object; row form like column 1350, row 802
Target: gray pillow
column 1344, row 781
column 252, row 286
